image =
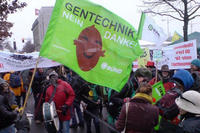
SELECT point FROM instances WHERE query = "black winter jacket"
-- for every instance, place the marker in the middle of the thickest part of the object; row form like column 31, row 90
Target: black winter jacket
column 190, row 124
column 7, row 116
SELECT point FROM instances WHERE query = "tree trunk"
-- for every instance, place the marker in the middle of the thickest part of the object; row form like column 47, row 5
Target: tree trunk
column 186, row 20
column 185, row 30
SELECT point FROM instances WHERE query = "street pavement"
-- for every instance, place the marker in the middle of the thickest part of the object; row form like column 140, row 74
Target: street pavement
column 39, row 128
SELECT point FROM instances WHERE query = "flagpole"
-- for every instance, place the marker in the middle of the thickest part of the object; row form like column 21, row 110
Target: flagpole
column 140, row 29
column 29, row 88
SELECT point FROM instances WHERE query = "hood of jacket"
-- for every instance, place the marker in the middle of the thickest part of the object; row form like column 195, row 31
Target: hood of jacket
column 185, row 77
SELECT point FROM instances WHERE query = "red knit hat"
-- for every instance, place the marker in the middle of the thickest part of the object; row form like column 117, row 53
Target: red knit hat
column 150, row 64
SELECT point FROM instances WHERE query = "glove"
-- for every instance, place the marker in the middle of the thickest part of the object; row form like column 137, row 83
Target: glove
column 64, row 109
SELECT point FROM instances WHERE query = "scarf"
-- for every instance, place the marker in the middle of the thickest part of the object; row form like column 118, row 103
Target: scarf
column 145, row 96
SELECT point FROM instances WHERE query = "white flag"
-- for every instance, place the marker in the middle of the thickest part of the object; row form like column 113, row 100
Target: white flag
column 150, row 31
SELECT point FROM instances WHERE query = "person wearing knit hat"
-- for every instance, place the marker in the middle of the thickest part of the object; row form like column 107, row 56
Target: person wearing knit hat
column 195, row 72
column 189, row 106
column 195, row 65
column 8, row 93
column 4, row 86
column 7, row 115
column 184, row 79
column 53, row 73
column 151, row 66
column 63, row 97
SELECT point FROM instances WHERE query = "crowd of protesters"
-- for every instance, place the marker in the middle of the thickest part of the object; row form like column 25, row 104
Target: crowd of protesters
column 131, row 110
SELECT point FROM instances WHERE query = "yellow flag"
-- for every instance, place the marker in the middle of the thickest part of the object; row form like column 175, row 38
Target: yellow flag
column 142, row 61
column 176, row 37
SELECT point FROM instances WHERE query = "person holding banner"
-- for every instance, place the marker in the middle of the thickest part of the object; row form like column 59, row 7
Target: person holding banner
column 165, row 77
column 37, row 92
column 140, row 115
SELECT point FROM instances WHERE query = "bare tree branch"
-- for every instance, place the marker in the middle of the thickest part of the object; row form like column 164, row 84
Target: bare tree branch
column 194, row 11
column 194, row 17
column 162, row 14
column 181, row 10
column 180, row 13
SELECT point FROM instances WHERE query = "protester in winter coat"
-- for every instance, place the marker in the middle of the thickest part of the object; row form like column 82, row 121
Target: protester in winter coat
column 183, row 78
column 37, row 92
column 165, row 77
column 63, row 99
column 17, row 90
column 92, row 106
column 189, row 105
column 195, row 71
column 128, row 91
column 142, row 116
column 7, row 115
column 77, row 83
column 143, row 75
column 151, row 66
column 195, row 65
column 168, row 109
column 26, row 80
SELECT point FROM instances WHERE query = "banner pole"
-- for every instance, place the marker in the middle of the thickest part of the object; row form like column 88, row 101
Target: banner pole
column 156, row 72
column 29, row 88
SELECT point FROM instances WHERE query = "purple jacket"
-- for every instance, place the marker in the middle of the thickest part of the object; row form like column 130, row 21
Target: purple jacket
column 142, row 115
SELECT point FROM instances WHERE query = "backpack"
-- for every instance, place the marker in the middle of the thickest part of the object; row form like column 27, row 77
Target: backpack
column 167, row 106
column 15, row 80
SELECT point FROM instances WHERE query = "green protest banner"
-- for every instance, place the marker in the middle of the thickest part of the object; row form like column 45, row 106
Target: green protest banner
column 92, row 41
column 158, row 91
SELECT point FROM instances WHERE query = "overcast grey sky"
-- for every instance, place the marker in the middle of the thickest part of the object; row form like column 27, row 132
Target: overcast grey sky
column 127, row 9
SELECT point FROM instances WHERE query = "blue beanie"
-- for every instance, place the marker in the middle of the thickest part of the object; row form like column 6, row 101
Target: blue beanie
column 185, row 77
column 196, row 62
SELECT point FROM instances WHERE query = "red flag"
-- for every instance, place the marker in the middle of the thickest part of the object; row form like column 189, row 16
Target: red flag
column 37, row 11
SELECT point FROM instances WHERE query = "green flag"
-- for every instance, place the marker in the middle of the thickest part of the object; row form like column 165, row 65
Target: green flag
column 92, row 41
column 158, row 91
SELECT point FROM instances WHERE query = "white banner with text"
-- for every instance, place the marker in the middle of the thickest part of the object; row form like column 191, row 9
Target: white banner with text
column 18, row 62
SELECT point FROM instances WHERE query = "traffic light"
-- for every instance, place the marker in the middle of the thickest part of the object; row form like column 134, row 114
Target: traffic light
column 22, row 40
column 14, row 45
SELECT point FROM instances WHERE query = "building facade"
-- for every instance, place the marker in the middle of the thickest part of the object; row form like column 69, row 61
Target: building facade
column 40, row 26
